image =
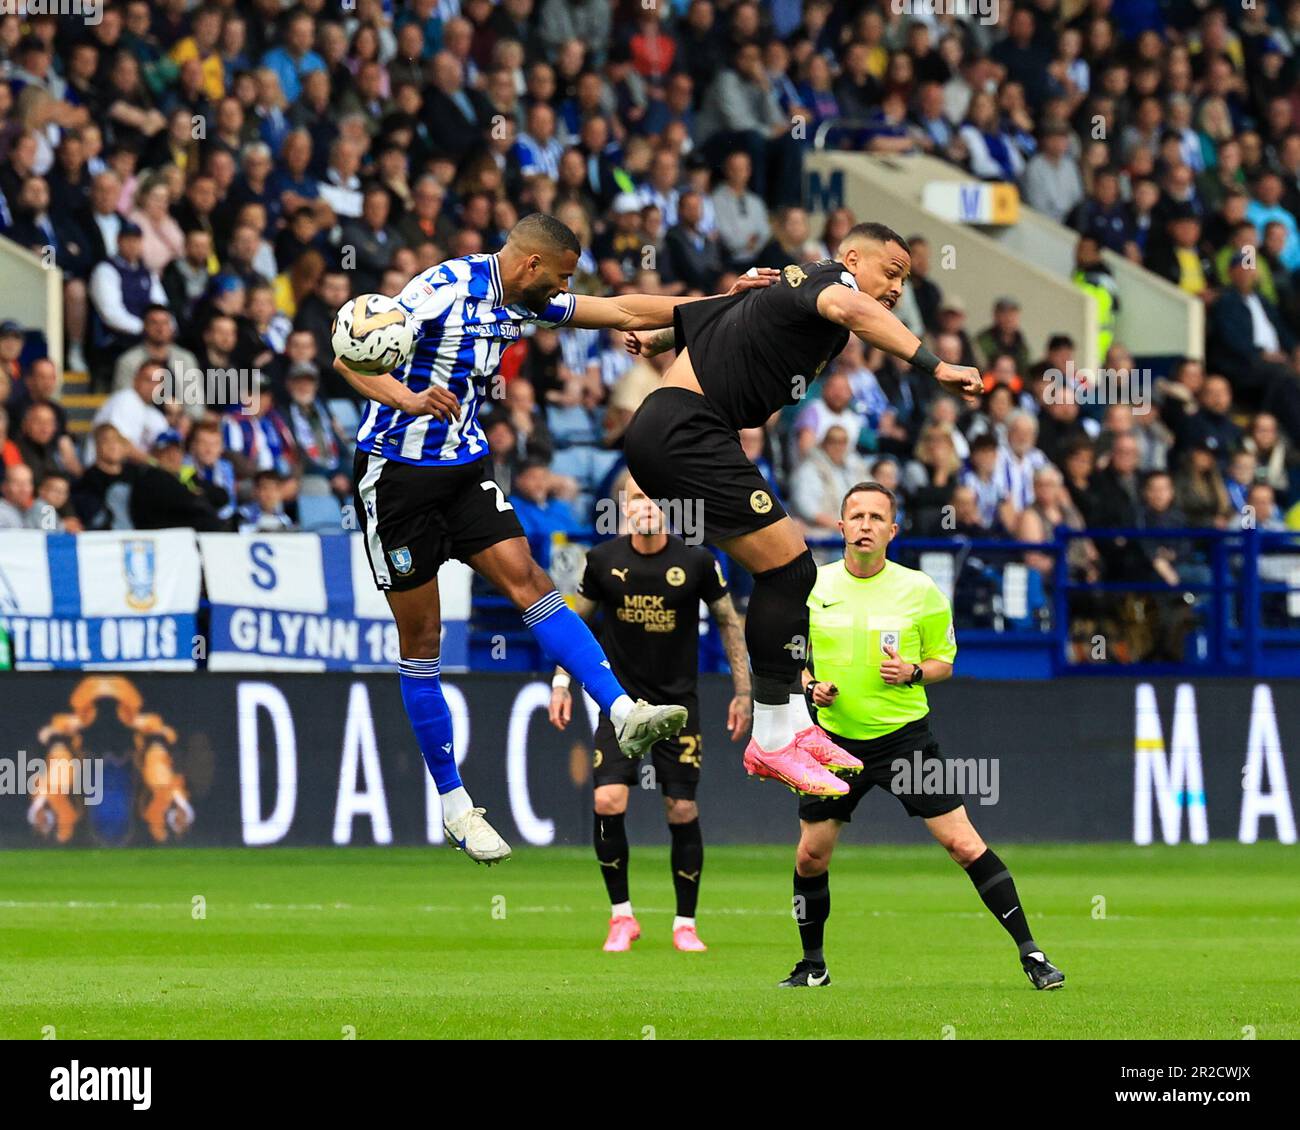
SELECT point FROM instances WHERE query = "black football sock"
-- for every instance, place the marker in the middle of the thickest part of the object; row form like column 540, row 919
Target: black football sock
column 687, row 860
column 812, row 906
column 993, row 883
column 610, row 838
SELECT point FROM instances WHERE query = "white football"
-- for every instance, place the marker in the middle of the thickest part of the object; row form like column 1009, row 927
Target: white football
column 372, row 334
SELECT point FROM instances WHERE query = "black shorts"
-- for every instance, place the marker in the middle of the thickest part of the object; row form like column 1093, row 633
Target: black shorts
column 682, row 453
column 415, row 518
column 878, row 757
column 675, row 760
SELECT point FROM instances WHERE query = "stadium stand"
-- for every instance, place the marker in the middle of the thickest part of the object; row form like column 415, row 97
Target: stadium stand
column 204, row 185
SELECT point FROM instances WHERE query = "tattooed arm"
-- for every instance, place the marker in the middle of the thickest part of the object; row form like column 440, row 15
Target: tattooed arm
column 732, row 629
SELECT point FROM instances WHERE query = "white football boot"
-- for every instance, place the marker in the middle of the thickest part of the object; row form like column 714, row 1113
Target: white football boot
column 473, row 835
column 646, row 724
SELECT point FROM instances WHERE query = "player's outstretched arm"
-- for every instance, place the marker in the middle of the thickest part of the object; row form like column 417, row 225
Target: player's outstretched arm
column 732, row 630
column 561, row 708
column 862, row 315
column 650, row 311
column 389, row 391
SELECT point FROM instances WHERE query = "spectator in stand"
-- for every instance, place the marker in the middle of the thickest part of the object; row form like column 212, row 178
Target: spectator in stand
column 1200, row 489
column 20, row 509
column 162, row 239
column 833, row 409
column 1243, row 471
column 158, row 346
column 1053, row 184
column 135, row 412
column 265, row 512
column 211, row 470
column 540, row 513
column 1272, row 455
column 694, row 258
column 981, row 478
column 992, row 153
column 930, row 479
column 1104, row 217
column 41, row 446
column 9, row 454
column 742, row 216
column 1004, row 336
column 1212, row 424
column 740, row 110
column 319, row 443
column 121, row 289
column 822, row 480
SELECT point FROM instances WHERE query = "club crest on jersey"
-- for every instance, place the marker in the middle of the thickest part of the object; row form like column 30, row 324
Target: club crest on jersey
column 676, row 576
column 795, row 275
column 760, row 502
column 401, row 559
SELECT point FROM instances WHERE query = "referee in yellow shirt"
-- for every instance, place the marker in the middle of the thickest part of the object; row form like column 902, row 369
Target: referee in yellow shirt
column 880, row 634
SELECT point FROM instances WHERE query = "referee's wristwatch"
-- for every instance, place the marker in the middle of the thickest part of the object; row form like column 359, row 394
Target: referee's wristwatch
column 808, row 693
column 916, row 676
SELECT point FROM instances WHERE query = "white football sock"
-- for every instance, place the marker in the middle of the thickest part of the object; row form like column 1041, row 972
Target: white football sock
column 800, row 719
column 620, row 710
column 621, row 910
column 680, row 921
column 455, row 804
column 772, row 728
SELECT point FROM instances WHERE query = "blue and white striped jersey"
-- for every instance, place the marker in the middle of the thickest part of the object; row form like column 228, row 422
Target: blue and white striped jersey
column 462, row 326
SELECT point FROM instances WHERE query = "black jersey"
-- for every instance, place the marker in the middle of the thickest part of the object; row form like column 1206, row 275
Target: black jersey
column 650, row 627
column 747, row 349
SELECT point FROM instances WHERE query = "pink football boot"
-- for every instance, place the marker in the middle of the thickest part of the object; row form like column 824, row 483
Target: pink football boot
column 623, row 931
column 816, row 742
column 687, row 940
column 794, row 767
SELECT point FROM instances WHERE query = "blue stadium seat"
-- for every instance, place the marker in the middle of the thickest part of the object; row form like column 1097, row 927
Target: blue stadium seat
column 320, row 513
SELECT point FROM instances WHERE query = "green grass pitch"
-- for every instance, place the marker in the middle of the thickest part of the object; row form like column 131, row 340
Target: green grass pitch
column 1196, row 942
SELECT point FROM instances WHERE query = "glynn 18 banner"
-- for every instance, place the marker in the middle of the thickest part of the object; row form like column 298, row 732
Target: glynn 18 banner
column 159, row 759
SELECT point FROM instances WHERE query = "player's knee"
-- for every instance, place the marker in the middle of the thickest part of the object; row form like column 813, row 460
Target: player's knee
column 793, row 581
column 610, row 803
column 679, row 810
column 812, row 858
column 964, row 846
column 524, row 583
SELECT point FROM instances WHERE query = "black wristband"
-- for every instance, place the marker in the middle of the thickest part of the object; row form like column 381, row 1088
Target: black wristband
column 808, row 694
column 917, row 675
column 924, row 360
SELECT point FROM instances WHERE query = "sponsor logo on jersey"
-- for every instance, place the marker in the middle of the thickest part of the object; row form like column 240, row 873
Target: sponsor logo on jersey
column 676, row 576
column 760, row 502
column 401, row 559
column 795, row 275
column 621, row 574
column 492, row 329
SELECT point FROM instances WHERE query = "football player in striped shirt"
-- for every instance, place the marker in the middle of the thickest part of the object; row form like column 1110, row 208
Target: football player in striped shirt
column 425, row 493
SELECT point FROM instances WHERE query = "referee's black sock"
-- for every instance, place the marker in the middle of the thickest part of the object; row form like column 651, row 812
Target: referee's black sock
column 812, row 906
column 687, row 860
column 610, row 839
column 993, row 883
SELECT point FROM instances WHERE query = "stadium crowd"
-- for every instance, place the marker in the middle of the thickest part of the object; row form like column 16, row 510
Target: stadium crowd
column 215, row 180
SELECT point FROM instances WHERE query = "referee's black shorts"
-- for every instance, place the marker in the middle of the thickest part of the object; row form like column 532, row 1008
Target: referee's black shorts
column 879, row 757
column 681, row 451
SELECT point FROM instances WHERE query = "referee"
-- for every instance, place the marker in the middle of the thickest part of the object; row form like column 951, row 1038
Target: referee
column 880, row 634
